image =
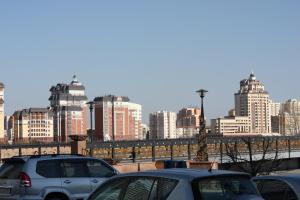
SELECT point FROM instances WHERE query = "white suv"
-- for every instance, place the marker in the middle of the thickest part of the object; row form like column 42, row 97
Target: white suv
column 52, row 177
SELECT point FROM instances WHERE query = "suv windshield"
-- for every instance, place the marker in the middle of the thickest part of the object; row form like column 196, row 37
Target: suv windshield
column 11, row 169
column 227, row 187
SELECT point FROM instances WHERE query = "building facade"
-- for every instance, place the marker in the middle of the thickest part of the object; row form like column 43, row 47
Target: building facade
column 252, row 101
column 117, row 119
column 289, row 118
column 231, row 125
column 1, row 112
column 187, row 123
column 33, row 125
column 68, row 103
column 163, row 125
column 275, row 108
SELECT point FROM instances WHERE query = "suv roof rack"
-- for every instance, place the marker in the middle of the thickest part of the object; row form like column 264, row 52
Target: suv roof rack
column 49, row 155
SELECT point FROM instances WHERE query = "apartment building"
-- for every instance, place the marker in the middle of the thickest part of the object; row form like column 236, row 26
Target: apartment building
column 252, row 101
column 163, row 125
column 33, row 124
column 116, row 118
column 1, row 112
column 188, row 121
column 231, row 125
column 289, row 118
column 68, row 103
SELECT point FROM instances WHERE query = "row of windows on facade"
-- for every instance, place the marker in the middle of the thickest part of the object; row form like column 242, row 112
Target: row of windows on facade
column 39, row 130
column 38, row 134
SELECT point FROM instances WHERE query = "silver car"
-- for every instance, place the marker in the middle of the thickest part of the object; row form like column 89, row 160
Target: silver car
column 178, row 184
column 279, row 187
column 52, row 177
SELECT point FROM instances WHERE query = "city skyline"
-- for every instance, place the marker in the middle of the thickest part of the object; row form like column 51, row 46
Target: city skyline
column 158, row 54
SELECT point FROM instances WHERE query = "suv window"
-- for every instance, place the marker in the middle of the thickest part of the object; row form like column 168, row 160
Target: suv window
column 275, row 190
column 48, row 168
column 230, row 187
column 97, row 168
column 11, row 169
column 73, row 168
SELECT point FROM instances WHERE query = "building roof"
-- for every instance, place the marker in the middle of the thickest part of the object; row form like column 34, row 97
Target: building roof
column 112, row 98
column 24, row 112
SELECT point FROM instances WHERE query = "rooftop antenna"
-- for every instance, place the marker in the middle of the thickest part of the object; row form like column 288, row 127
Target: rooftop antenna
column 74, row 78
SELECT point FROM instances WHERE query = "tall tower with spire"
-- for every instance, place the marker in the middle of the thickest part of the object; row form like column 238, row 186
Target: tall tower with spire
column 68, row 103
column 252, row 100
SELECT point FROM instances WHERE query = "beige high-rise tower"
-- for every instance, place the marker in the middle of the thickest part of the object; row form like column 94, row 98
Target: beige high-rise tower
column 1, row 111
column 252, row 100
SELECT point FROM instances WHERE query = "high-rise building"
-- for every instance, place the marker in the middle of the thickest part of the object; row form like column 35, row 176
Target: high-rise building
column 33, row 124
column 163, row 125
column 117, row 119
column 252, row 100
column 188, row 121
column 188, row 118
column 1, row 112
column 146, row 132
column 289, row 118
column 275, row 108
column 291, row 106
column 9, row 127
column 68, row 103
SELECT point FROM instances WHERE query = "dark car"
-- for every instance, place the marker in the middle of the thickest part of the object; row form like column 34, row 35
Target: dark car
column 178, row 184
column 279, row 187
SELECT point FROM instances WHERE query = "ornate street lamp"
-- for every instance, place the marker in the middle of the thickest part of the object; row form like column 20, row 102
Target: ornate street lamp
column 202, row 154
column 91, row 107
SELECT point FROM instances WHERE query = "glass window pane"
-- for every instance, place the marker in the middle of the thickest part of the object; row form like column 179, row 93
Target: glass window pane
column 74, row 169
column 139, row 189
column 154, row 192
column 97, row 168
column 166, row 186
column 47, row 168
column 268, row 191
column 11, row 169
column 110, row 191
column 223, row 188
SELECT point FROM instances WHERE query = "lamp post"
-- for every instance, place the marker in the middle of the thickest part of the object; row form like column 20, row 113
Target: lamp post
column 91, row 107
column 202, row 154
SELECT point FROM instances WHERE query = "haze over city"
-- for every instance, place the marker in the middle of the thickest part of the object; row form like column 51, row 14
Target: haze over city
column 158, row 54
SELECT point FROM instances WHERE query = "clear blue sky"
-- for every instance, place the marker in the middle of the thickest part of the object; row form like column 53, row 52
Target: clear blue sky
column 156, row 52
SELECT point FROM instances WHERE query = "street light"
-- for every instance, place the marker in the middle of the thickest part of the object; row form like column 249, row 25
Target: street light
column 91, row 107
column 202, row 154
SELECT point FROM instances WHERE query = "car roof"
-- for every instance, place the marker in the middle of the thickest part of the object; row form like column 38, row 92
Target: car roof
column 187, row 174
column 25, row 158
column 286, row 177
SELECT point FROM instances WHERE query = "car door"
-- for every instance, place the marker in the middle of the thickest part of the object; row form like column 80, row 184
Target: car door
column 99, row 171
column 75, row 178
column 275, row 190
